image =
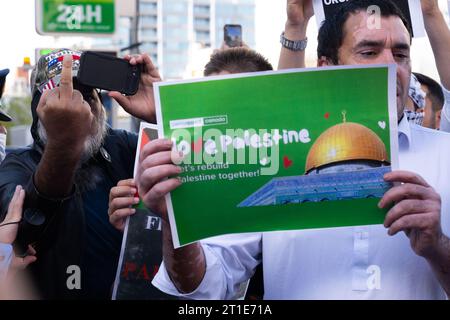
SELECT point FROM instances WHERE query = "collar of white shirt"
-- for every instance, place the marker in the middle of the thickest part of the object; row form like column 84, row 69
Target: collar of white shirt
column 404, row 133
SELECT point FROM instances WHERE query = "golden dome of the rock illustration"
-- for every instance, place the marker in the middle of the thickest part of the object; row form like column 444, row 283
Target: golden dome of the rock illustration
column 343, row 142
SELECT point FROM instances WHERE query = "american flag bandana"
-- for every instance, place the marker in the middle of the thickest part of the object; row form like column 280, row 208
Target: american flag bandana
column 50, row 84
column 53, row 67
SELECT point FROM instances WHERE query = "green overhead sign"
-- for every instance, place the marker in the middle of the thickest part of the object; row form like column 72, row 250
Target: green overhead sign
column 75, row 16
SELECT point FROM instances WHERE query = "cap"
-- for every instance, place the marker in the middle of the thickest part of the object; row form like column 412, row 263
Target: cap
column 46, row 73
column 3, row 73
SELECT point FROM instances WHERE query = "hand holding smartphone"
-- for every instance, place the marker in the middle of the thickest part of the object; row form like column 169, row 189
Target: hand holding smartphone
column 232, row 34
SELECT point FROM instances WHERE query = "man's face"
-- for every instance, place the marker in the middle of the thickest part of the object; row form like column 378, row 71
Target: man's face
column 388, row 44
column 431, row 118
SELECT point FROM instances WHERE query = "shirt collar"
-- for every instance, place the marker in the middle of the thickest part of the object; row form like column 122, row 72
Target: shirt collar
column 404, row 132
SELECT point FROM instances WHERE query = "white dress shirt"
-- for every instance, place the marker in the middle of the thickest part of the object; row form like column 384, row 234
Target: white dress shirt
column 337, row 263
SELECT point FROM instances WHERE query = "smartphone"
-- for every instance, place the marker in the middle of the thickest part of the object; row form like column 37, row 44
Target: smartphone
column 232, row 35
column 104, row 71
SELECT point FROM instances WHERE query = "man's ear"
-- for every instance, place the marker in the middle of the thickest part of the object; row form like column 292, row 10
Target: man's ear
column 324, row 62
column 437, row 116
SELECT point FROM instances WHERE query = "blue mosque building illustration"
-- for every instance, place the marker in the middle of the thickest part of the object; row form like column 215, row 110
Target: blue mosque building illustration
column 347, row 161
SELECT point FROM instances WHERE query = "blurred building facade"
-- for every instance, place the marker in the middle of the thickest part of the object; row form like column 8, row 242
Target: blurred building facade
column 172, row 31
column 179, row 36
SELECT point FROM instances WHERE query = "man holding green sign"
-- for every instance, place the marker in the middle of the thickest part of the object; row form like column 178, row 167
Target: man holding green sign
column 339, row 263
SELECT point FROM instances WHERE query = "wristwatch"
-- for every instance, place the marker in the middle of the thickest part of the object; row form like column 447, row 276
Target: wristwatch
column 297, row 45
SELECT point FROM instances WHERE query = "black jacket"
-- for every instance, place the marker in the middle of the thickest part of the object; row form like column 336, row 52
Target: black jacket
column 57, row 226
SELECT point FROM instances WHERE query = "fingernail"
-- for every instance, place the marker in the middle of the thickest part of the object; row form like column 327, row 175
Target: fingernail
column 180, row 169
column 133, row 210
column 133, row 191
column 379, row 205
column 136, row 200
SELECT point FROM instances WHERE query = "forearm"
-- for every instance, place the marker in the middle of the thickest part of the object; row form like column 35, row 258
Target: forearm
column 186, row 266
column 55, row 173
column 440, row 263
column 293, row 59
column 439, row 36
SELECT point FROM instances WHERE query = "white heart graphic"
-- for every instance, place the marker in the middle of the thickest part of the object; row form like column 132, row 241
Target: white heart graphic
column 264, row 161
column 382, row 124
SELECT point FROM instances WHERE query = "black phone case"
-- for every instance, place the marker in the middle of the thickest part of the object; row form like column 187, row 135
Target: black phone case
column 133, row 74
column 226, row 37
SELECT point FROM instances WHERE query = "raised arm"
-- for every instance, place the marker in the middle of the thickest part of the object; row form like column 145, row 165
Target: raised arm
column 298, row 14
column 68, row 121
column 186, row 266
column 439, row 35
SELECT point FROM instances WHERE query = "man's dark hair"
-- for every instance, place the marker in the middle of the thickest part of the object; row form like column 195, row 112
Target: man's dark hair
column 331, row 33
column 435, row 94
column 236, row 60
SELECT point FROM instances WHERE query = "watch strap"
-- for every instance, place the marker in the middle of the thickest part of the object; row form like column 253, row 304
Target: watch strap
column 293, row 45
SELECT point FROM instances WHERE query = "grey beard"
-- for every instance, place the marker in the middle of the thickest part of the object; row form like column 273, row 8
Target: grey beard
column 86, row 176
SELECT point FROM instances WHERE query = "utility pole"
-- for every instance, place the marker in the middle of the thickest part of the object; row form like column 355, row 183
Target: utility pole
column 134, row 29
column 134, row 49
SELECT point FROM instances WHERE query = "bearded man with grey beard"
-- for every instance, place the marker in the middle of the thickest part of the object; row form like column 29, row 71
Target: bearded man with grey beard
column 67, row 174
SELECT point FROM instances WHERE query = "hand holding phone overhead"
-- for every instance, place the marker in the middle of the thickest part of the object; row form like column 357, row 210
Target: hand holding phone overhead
column 141, row 104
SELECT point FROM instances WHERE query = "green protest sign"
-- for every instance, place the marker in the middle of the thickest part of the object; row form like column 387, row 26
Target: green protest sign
column 75, row 16
column 280, row 150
